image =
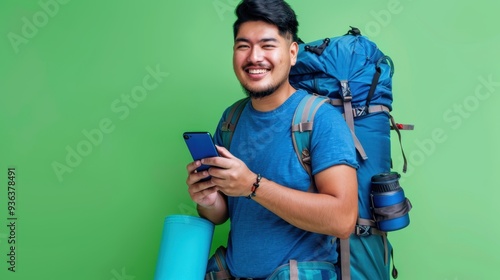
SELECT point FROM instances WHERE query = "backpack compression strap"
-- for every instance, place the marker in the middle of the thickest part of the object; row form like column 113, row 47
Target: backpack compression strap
column 376, row 77
column 346, row 101
column 302, row 125
column 358, row 112
column 397, row 127
column 230, row 121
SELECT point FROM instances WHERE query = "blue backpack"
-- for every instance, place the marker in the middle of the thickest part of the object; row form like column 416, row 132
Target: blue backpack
column 353, row 75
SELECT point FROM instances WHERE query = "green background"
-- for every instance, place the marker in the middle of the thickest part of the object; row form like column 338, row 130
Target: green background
column 68, row 67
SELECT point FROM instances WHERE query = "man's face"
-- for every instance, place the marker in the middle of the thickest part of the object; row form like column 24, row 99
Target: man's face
column 262, row 58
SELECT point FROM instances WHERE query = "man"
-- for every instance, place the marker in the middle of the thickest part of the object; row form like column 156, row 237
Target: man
column 282, row 220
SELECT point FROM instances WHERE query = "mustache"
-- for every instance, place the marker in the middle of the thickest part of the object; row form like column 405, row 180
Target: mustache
column 261, row 65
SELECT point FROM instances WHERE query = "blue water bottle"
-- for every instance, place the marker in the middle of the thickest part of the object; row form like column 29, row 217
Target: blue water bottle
column 390, row 207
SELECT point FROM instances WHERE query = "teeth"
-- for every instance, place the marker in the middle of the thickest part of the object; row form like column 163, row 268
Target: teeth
column 257, row 71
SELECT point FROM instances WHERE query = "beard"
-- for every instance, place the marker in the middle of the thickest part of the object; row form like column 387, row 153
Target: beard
column 262, row 93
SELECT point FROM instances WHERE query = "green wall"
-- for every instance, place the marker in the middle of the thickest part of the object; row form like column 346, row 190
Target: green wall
column 95, row 96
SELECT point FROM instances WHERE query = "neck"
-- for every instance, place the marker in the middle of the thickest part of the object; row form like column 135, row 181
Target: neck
column 273, row 100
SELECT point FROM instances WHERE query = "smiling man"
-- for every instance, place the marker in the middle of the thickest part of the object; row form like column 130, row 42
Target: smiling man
column 280, row 227
column 262, row 59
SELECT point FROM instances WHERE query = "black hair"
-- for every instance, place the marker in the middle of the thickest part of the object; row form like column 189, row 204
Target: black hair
column 276, row 12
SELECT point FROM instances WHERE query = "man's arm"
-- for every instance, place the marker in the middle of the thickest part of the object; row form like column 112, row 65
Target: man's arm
column 217, row 213
column 332, row 211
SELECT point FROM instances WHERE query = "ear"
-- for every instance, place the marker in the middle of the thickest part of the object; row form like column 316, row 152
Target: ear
column 294, row 51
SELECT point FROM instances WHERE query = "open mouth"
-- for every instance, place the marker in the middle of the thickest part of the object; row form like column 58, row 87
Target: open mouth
column 257, row 71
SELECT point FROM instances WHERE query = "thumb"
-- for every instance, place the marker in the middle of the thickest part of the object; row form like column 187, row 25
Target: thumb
column 223, row 152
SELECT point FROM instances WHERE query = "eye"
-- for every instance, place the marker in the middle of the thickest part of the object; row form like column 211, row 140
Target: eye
column 268, row 47
column 242, row 47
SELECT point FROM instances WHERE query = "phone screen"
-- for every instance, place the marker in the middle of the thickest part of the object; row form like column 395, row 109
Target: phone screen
column 200, row 145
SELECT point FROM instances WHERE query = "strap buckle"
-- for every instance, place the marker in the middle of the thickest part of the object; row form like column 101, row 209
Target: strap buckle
column 346, row 91
column 318, row 50
column 360, row 111
column 225, row 126
column 362, row 230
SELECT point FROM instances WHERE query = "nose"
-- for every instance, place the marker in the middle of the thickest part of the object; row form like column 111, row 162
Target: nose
column 256, row 55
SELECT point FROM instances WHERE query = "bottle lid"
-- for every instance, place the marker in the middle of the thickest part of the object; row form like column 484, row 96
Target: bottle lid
column 386, row 182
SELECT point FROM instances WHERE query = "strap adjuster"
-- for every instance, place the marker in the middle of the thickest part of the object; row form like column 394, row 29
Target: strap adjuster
column 360, row 111
column 362, row 230
column 227, row 126
column 346, row 91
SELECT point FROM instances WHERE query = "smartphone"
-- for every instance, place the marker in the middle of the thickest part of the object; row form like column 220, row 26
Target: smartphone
column 200, row 145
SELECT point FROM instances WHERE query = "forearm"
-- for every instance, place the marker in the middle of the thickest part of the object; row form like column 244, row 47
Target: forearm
column 216, row 213
column 315, row 212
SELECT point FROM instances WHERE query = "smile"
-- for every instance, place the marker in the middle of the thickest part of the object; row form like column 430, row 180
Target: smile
column 257, row 71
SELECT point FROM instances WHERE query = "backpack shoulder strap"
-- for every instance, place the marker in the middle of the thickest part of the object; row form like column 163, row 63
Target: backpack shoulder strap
column 302, row 126
column 301, row 130
column 231, row 120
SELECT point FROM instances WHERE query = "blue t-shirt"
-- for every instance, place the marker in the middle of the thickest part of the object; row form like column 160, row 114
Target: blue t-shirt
column 260, row 241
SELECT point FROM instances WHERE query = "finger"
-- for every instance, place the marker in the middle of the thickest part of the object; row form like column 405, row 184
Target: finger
column 222, row 161
column 223, row 152
column 191, row 167
column 200, row 187
column 216, row 175
column 219, row 162
column 196, row 177
column 201, row 195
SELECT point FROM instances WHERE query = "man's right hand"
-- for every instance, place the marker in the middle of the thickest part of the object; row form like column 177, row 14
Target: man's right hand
column 211, row 203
